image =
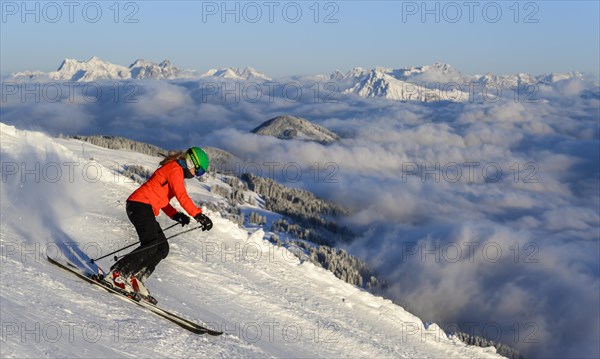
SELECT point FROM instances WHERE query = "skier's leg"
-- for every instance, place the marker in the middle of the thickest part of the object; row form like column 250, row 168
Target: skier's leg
column 142, row 217
column 158, row 253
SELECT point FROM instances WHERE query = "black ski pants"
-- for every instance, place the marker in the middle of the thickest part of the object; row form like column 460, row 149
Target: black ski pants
column 153, row 248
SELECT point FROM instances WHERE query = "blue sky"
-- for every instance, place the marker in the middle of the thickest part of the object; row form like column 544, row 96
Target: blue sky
column 541, row 37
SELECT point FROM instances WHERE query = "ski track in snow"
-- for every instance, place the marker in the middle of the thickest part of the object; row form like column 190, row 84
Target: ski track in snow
column 268, row 302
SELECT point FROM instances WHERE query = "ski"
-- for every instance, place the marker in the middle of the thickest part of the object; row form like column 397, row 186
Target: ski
column 172, row 317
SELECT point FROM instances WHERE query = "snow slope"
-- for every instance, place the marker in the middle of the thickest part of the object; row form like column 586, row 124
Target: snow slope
column 66, row 198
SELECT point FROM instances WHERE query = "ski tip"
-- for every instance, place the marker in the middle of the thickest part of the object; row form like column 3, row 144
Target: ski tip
column 210, row 332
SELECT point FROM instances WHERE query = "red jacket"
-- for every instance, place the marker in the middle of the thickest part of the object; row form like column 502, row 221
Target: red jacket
column 165, row 183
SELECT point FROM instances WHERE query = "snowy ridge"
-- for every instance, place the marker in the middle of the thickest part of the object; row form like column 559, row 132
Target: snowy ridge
column 95, row 69
column 506, row 81
column 90, row 70
column 438, row 72
column 438, row 82
column 378, row 83
column 247, row 73
column 142, row 69
column 221, row 160
column 267, row 301
column 559, row 76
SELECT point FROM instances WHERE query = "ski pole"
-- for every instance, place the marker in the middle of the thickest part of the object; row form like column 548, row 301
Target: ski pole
column 169, row 227
column 156, row 244
column 131, row 245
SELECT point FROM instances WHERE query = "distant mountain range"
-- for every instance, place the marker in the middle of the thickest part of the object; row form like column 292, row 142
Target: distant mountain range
column 96, row 69
column 437, row 82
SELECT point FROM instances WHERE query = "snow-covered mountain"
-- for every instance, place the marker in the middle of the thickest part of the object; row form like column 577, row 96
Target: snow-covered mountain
column 428, row 74
column 337, row 75
column 438, row 72
column 246, row 73
column 421, row 83
column 291, row 127
column 379, row 83
column 268, row 302
column 559, row 76
column 142, row 69
column 221, row 160
column 436, row 82
column 505, row 81
column 90, row 70
column 96, row 69
column 522, row 79
column 352, row 75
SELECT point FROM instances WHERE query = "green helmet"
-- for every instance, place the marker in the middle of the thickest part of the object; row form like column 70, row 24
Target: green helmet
column 197, row 158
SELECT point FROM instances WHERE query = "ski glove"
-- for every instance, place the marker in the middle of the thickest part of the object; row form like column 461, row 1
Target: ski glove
column 204, row 221
column 181, row 218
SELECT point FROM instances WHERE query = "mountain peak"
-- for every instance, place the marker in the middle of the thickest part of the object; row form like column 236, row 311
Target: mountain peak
column 291, row 127
column 387, row 83
column 442, row 66
column 165, row 63
column 140, row 62
column 142, row 69
column 558, row 76
column 245, row 73
column 92, row 69
column 337, row 75
column 356, row 72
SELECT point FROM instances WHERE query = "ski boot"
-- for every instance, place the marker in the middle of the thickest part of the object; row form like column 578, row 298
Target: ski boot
column 141, row 291
column 115, row 280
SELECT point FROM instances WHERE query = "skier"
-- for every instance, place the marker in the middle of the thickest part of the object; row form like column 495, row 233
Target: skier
column 130, row 272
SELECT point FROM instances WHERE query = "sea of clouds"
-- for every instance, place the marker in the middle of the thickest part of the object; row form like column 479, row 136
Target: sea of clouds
column 483, row 214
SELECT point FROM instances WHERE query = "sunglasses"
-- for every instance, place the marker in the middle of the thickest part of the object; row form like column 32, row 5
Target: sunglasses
column 200, row 171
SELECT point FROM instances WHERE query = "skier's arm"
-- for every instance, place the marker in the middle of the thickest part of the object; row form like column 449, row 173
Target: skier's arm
column 169, row 210
column 176, row 181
